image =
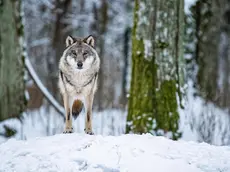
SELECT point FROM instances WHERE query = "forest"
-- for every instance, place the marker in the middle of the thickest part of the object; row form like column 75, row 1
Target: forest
column 165, row 67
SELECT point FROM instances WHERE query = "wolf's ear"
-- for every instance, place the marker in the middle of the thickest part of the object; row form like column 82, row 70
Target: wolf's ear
column 69, row 40
column 90, row 41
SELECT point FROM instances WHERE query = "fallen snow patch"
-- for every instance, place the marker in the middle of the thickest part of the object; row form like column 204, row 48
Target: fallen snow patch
column 133, row 153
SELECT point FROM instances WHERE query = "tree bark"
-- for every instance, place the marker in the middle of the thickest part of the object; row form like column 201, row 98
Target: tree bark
column 58, row 45
column 100, row 28
column 157, row 54
column 212, row 30
column 123, row 98
column 12, row 88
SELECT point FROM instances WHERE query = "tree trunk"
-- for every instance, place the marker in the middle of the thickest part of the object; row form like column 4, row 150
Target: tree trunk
column 100, row 28
column 123, row 98
column 157, row 53
column 58, row 44
column 212, row 50
column 12, row 88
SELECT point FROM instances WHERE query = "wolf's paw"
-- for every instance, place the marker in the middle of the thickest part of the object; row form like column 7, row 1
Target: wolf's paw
column 89, row 132
column 68, row 130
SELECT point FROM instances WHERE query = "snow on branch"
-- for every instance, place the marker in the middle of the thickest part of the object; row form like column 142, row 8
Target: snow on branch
column 43, row 89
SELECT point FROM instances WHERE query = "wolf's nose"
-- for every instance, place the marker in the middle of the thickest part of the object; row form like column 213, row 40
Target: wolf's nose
column 79, row 64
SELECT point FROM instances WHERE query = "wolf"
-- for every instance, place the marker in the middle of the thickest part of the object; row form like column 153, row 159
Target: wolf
column 78, row 75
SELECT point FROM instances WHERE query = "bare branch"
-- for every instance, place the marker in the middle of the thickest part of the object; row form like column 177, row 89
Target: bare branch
column 43, row 89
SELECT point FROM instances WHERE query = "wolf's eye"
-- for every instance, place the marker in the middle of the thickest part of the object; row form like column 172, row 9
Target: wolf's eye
column 85, row 54
column 74, row 52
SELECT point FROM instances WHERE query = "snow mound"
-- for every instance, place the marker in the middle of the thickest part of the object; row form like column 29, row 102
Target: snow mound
column 126, row 153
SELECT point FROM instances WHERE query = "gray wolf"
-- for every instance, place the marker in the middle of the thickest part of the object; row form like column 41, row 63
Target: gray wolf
column 78, row 75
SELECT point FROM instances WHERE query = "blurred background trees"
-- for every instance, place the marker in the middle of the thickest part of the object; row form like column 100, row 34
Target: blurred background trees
column 207, row 54
column 49, row 22
column 143, row 85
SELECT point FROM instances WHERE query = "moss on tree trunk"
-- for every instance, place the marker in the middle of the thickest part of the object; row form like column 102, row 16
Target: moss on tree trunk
column 156, row 67
column 12, row 89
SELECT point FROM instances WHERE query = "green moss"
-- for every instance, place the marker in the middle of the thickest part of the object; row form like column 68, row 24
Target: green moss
column 133, row 85
column 151, row 99
column 160, row 44
column 140, row 105
column 168, row 116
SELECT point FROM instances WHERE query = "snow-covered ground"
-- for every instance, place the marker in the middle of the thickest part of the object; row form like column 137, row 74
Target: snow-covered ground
column 125, row 153
column 199, row 122
column 46, row 122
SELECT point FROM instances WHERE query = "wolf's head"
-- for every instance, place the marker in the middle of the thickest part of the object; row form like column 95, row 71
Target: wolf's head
column 80, row 53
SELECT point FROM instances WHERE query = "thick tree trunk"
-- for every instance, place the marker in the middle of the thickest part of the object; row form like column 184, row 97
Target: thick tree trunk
column 157, row 53
column 12, row 88
column 212, row 50
column 58, row 45
column 100, row 28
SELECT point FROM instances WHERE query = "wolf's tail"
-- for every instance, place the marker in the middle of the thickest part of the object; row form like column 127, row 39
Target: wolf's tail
column 77, row 108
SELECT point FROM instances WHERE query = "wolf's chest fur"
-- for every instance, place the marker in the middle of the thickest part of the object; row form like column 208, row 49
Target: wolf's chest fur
column 77, row 83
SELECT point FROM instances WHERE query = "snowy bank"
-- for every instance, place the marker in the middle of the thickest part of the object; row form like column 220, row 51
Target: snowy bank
column 41, row 123
column 126, row 153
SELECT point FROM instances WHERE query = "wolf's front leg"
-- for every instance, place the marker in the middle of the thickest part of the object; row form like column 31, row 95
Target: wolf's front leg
column 68, row 115
column 88, row 119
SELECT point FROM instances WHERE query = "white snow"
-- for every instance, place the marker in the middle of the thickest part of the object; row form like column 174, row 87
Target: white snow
column 126, row 153
column 47, row 121
column 148, row 48
column 203, row 121
column 188, row 4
